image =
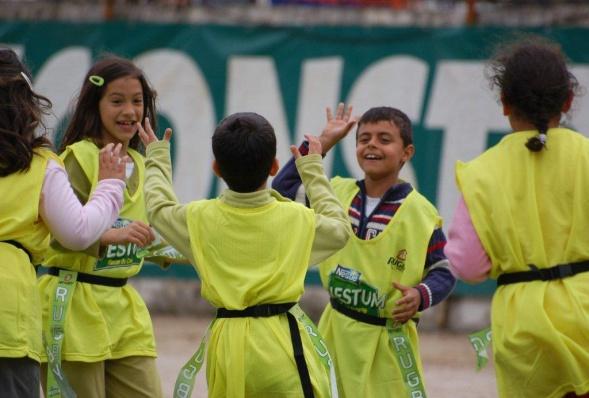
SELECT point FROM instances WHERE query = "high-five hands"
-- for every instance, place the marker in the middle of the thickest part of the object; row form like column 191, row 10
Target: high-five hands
column 337, row 126
column 148, row 136
column 314, row 147
column 110, row 162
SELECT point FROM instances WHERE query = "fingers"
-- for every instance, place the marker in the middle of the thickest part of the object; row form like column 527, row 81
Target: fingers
column 314, row 144
column 140, row 233
column 295, row 151
column 329, row 114
column 400, row 287
column 348, row 112
column 168, row 134
column 143, row 135
column 339, row 113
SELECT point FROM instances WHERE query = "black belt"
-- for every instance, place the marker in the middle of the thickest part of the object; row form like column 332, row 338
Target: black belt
column 93, row 279
column 358, row 316
column 18, row 245
column 268, row 310
column 544, row 274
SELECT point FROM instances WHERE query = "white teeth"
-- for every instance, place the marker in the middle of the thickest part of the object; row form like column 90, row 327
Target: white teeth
column 371, row 157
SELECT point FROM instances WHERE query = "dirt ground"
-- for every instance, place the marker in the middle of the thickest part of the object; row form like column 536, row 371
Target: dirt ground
column 448, row 359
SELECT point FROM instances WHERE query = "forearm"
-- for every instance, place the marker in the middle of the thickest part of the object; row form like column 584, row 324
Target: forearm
column 437, row 285
column 464, row 249
column 164, row 212
column 332, row 228
column 85, row 223
column 288, row 180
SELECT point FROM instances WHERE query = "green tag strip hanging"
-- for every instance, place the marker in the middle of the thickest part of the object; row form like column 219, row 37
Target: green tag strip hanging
column 57, row 384
column 406, row 359
column 318, row 343
column 480, row 341
column 187, row 376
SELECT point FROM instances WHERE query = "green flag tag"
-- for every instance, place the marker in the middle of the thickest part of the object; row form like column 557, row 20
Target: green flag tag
column 187, row 376
column 480, row 341
column 57, row 384
column 406, row 359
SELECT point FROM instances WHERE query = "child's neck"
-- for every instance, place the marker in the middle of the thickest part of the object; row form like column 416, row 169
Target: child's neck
column 519, row 124
column 376, row 188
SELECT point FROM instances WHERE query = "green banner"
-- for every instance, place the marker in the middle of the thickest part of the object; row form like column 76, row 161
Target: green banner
column 289, row 75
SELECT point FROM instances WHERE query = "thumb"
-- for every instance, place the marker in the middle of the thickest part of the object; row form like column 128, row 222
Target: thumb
column 401, row 288
column 168, row 134
column 295, row 151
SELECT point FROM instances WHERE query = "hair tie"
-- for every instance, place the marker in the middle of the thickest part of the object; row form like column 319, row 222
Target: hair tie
column 98, row 81
column 24, row 76
column 543, row 137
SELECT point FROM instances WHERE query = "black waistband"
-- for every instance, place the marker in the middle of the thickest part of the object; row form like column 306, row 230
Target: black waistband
column 359, row 316
column 262, row 310
column 545, row 274
column 18, row 245
column 93, row 279
column 268, row 310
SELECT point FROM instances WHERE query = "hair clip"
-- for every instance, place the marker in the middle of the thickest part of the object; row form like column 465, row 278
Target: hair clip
column 24, row 76
column 98, row 81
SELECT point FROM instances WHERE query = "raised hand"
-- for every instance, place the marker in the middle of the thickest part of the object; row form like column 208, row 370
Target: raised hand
column 314, row 147
column 136, row 232
column 148, row 136
column 407, row 306
column 337, row 126
column 110, row 162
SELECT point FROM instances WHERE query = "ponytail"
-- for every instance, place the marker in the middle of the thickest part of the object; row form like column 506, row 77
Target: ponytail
column 538, row 142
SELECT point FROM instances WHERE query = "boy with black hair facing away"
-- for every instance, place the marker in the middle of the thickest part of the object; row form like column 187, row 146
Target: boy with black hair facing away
column 393, row 267
column 251, row 248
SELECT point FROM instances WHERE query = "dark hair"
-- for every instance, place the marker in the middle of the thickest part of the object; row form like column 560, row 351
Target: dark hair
column 532, row 76
column 21, row 113
column 86, row 122
column 393, row 115
column 244, row 145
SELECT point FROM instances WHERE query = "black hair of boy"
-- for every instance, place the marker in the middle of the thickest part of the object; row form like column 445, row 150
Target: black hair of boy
column 21, row 114
column 393, row 115
column 244, row 145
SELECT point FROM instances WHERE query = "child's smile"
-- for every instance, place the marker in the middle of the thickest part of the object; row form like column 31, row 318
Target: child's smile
column 121, row 107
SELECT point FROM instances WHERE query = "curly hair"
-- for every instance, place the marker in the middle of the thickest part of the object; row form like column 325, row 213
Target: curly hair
column 532, row 75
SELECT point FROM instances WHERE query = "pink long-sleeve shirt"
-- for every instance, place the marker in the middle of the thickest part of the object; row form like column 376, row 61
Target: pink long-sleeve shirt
column 74, row 225
column 468, row 259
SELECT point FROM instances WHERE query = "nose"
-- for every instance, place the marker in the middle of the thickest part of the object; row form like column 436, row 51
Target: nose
column 128, row 108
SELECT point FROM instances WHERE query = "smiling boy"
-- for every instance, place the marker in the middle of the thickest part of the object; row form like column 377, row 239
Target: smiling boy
column 390, row 270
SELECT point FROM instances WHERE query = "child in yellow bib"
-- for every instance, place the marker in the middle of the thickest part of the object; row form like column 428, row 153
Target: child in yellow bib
column 36, row 196
column 108, row 348
column 390, row 270
column 251, row 249
column 523, row 220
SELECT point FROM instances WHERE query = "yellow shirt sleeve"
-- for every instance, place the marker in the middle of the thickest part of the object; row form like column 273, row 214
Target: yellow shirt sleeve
column 332, row 227
column 164, row 212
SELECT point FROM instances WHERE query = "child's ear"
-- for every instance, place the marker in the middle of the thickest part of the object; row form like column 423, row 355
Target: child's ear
column 274, row 168
column 216, row 169
column 567, row 104
column 408, row 153
column 506, row 108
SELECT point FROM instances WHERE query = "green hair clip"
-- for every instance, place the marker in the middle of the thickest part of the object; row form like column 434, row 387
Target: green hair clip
column 96, row 80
